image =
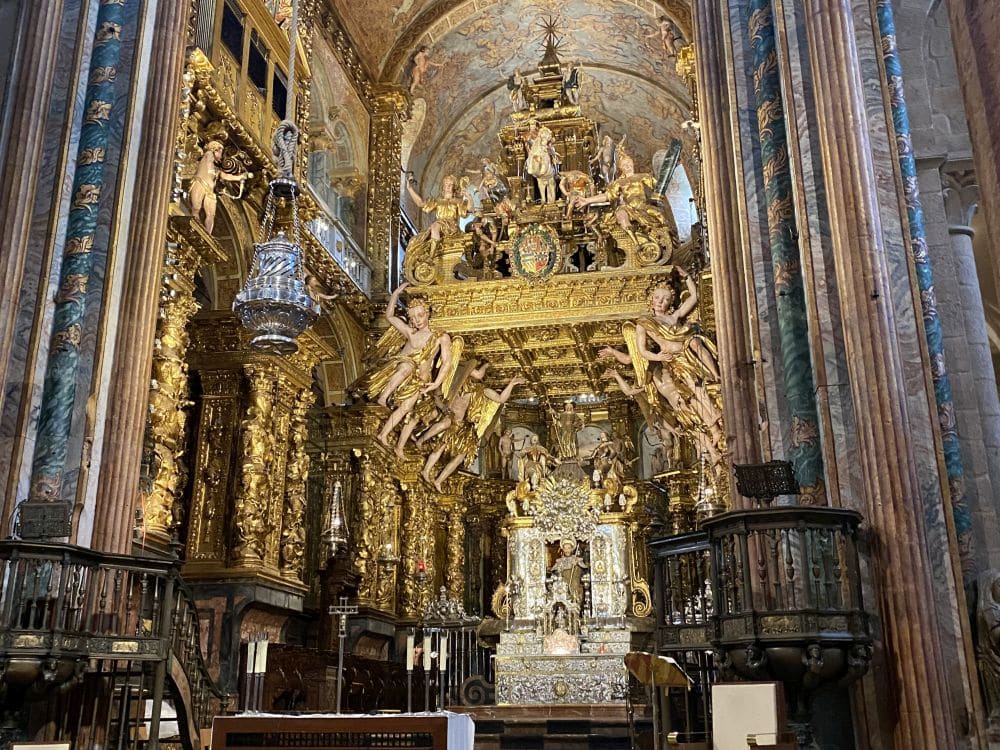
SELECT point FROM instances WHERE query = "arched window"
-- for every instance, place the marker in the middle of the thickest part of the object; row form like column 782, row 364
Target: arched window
column 681, row 199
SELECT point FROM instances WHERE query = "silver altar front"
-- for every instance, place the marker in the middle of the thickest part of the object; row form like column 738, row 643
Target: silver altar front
column 577, row 583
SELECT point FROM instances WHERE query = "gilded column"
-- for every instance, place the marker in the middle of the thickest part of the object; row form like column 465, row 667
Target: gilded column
column 729, row 280
column 418, row 563
column 293, row 533
column 454, row 571
column 213, row 480
column 167, row 395
column 389, row 112
column 373, row 473
column 924, row 716
column 31, row 92
column 285, row 393
column 258, row 445
column 789, row 290
column 46, row 513
column 133, row 356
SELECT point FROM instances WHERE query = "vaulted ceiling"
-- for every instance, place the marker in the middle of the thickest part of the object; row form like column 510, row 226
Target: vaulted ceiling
column 630, row 83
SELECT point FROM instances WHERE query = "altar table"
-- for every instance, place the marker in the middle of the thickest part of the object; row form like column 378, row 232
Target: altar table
column 423, row 731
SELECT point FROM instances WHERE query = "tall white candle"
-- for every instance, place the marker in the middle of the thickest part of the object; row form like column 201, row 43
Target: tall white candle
column 442, row 651
column 427, row 653
column 409, row 652
column 260, row 660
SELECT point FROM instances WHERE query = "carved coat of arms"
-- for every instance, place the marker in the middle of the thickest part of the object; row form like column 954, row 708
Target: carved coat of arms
column 536, row 253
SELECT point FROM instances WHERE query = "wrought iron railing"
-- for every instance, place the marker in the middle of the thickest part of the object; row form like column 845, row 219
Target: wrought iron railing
column 118, row 630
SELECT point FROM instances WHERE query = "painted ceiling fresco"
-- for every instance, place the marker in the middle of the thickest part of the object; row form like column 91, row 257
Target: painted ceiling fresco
column 478, row 55
column 472, row 46
column 375, row 24
column 334, row 99
column 630, row 85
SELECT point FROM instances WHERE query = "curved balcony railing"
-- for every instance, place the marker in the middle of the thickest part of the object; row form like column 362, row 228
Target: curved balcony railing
column 65, row 611
column 344, row 250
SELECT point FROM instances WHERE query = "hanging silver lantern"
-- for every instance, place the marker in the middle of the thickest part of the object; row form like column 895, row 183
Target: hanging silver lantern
column 335, row 534
column 275, row 303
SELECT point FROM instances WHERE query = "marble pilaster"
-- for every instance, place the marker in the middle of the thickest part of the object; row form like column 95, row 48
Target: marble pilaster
column 876, row 368
column 729, row 282
column 133, row 354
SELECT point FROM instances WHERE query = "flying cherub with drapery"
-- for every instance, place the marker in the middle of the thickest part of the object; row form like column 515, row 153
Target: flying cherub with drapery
column 411, row 361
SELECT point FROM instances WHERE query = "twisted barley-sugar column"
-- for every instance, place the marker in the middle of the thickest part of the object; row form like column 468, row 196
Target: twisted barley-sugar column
column 728, row 279
column 892, row 493
column 118, row 484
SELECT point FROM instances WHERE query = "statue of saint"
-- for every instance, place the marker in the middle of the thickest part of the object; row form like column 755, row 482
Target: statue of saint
column 206, row 177
column 469, row 415
column 405, row 358
column 515, row 85
column 629, row 193
column 535, row 462
column 506, row 447
column 543, row 164
column 570, row 567
column 571, row 84
column 606, row 459
column 565, row 425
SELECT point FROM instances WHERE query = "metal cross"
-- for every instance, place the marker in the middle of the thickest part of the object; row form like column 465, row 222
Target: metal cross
column 342, row 610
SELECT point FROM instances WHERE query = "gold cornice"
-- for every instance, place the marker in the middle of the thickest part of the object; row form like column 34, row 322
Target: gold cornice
column 389, row 99
column 563, row 299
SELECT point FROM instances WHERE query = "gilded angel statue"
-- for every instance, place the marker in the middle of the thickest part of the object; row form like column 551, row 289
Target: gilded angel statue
column 651, row 228
column 412, row 360
column 469, row 415
column 673, row 364
column 422, row 253
column 210, row 171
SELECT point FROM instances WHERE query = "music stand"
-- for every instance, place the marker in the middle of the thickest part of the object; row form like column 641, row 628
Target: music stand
column 658, row 671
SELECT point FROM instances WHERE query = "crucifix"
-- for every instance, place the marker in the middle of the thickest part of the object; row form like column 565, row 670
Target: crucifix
column 342, row 610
